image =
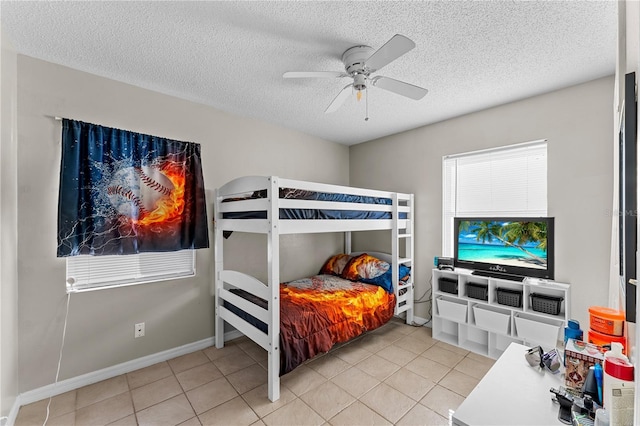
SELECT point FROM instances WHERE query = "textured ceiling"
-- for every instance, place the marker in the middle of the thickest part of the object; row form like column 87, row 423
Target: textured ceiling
column 231, row 55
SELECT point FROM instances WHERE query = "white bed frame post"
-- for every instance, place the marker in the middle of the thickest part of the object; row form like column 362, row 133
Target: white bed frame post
column 395, row 247
column 219, row 266
column 347, row 242
column 409, row 253
column 273, row 260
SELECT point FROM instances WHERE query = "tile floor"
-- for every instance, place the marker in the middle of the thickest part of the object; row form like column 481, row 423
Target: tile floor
column 394, row 375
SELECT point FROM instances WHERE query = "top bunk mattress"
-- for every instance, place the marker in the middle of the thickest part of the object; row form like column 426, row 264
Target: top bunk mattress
column 359, row 211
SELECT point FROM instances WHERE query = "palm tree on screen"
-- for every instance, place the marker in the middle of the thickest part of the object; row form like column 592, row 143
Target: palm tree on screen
column 512, row 234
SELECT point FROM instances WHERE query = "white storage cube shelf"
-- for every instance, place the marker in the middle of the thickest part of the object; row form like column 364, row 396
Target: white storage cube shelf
column 474, row 339
column 499, row 343
column 447, row 330
column 487, row 327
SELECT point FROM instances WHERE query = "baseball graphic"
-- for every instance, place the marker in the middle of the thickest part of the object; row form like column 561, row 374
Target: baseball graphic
column 135, row 191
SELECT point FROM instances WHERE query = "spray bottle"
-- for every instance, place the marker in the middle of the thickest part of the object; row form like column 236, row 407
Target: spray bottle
column 572, row 331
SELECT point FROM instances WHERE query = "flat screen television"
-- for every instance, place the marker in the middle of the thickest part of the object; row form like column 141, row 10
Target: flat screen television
column 505, row 247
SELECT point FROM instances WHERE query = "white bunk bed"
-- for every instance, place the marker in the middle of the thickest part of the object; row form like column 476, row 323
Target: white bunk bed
column 229, row 201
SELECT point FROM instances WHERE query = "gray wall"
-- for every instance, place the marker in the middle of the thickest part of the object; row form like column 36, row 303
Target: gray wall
column 578, row 125
column 100, row 328
column 8, row 225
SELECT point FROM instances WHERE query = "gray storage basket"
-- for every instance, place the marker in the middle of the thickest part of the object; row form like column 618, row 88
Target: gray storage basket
column 448, row 285
column 478, row 291
column 509, row 297
column 546, row 304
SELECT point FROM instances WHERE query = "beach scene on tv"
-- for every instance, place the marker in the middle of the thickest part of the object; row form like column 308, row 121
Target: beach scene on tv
column 521, row 244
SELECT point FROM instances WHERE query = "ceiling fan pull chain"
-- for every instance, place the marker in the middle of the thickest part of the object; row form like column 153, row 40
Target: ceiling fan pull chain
column 366, row 118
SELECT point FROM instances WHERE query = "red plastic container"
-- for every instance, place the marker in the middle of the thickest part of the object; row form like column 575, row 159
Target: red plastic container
column 606, row 320
column 602, row 339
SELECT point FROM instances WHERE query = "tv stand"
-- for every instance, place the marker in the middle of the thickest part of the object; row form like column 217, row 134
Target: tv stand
column 472, row 311
column 499, row 275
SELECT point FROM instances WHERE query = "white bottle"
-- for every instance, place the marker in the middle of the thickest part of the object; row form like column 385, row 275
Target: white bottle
column 618, row 386
column 602, row 417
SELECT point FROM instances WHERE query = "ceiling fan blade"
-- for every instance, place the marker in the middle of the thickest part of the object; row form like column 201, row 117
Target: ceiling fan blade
column 339, row 100
column 399, row 87
column 314, row 74
column 397, row 46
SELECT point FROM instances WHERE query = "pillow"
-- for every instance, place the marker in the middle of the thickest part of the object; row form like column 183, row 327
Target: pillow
column 371, row 270
column 335, row 264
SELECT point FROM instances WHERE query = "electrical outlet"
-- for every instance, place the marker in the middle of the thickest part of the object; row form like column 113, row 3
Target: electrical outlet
column 138, row 330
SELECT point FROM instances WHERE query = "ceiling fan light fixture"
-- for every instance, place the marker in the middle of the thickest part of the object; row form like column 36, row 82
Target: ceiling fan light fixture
column 360, row 62
column 359, row 84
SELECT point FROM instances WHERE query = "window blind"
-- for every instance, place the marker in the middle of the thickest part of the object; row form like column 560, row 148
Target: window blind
column 508, row 181
column 96, row 272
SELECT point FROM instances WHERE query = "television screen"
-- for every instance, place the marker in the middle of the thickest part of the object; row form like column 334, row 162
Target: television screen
column 513, row 246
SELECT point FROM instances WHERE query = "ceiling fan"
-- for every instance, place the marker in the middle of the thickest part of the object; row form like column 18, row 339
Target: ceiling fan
column 359, row 63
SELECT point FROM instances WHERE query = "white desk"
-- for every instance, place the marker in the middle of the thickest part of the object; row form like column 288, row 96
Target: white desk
column 511, row 393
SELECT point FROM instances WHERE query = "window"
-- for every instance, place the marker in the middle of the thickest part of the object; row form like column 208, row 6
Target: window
column 508, row 181
column 135, row 201
column 95, row 272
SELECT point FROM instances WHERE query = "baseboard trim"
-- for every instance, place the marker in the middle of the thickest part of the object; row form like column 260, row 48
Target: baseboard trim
column 417, row 321
column 109, row 372
column 425, row 322
column 13, row 413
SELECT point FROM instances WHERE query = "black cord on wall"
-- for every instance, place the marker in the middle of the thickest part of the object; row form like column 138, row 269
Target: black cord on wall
column 425, row 298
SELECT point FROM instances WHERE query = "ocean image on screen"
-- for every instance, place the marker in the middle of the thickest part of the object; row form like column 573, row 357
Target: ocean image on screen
column 522, row 244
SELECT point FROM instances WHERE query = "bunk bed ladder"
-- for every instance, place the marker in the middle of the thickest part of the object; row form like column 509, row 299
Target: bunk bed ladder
column 402, row 243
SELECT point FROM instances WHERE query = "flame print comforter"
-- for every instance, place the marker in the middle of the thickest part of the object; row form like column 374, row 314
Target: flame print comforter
column 320, row 311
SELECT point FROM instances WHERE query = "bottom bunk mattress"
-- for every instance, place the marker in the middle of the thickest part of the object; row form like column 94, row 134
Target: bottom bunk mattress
column 320, row 311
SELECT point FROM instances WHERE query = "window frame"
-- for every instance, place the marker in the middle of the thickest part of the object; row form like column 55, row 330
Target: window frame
column 450, row 184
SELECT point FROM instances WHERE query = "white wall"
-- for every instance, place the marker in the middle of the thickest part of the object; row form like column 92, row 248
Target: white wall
column 577, row 123
column 8, row 225
column 100, row 330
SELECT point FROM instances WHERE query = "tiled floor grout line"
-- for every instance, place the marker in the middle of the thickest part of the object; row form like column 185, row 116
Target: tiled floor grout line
column 135, row 413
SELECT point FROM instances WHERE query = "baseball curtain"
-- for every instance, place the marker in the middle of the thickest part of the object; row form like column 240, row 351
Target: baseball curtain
column 124, row 193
